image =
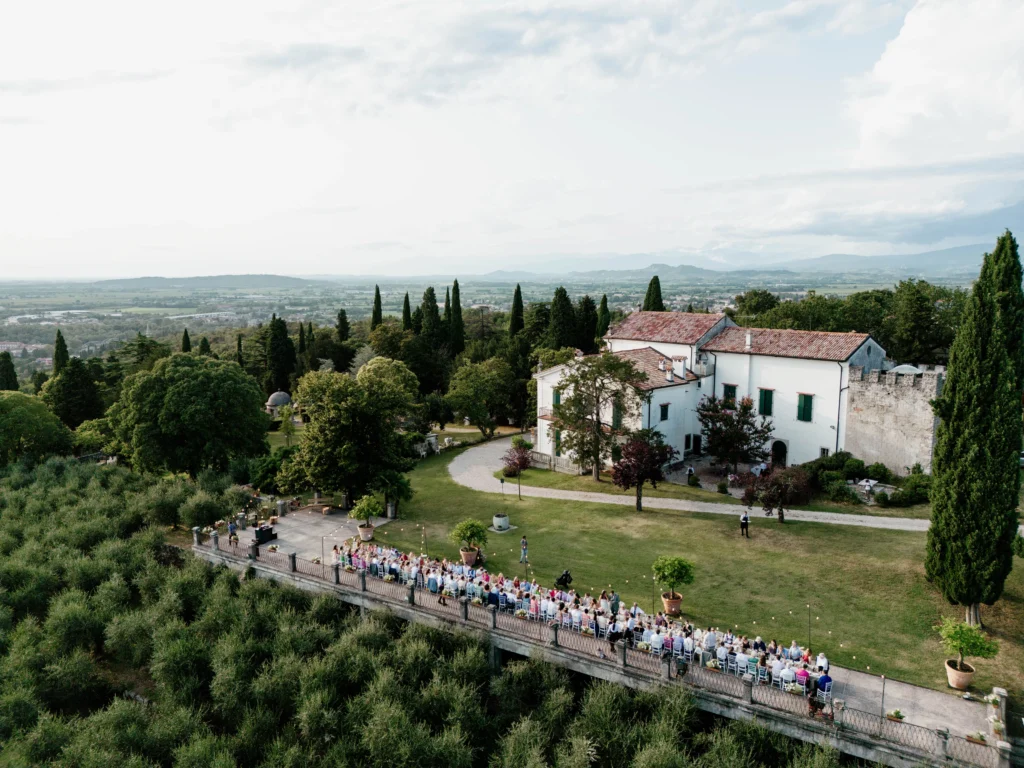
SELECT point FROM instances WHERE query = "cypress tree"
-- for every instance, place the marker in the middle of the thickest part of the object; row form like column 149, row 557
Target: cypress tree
column 586, row 325
column 238, row 350
column 446, row 319
column 60, row 353
column 8, row 376
column 562, row 331
column 652, row 300
column 515, row 319
column 378, row 314
column 309, row 335
column 280, row 353
column 417, row 320
column 689, row 307
column 342, row 326
column 186, row 342
column 456, row 328
column 431, row 314
column 302, row 339
column 977, row 446
column 406, row 313
column 204, row 347
column 604, row 317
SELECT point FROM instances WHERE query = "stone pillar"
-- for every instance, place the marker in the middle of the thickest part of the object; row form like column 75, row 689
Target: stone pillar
column 494, row 617
column 316, row 497
column 553, row 635
column 411, row 597
column 291, row 562
column 282, row 507
column 242, row 520
column 214, row 540
column 748, row 688
column 666, row 667
column 494, row 657
column 362, row 579
column 1001, row 693
column 1003, row 754
column 254, row 551
column 620, row 653
column 196, row 530
column 464, row 608
column 336, row 570
column 392, row 510
column 943, row 734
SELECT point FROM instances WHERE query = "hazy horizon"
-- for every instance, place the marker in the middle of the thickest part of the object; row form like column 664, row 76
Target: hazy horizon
column 458, row 138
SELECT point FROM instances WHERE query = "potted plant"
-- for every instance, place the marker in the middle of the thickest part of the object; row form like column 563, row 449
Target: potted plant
column 964, row 640
column 672, row 572
column 470, row 535
column 366, row 509
column 895, row 716
column 976, row 738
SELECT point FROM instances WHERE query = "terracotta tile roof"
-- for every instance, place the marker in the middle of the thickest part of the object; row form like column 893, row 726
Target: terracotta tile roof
column 668, row 327
column 810, row 345
column 646, row 359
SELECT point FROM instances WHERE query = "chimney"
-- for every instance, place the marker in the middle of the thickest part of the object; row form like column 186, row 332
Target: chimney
column 661, row 364
column 679, row 366
column 668, row 373
column 750, row 341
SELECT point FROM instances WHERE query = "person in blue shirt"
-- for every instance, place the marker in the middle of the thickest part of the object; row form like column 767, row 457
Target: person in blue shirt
column 823, row 679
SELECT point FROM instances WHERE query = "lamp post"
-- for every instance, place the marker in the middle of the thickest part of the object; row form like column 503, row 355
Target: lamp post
column 883, row 696
column 502, row 481
column 519, row 478
column 808, row 627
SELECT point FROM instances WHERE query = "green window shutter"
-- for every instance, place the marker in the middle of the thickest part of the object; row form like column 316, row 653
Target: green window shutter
column 557, row 398
column 729, row 393
column 764, row 406
column 805, row 407
column 664, row 411
column 558, row 442
column 616, row 414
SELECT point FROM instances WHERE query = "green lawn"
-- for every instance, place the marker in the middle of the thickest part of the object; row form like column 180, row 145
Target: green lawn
column 870, row 603
column 548, row 479
column 277, row 440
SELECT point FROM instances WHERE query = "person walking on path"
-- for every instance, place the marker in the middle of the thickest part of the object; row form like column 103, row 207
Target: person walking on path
column 523, row 558
column 745, row 524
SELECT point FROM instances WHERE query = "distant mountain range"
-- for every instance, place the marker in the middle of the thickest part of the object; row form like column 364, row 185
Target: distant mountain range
column 213, row 282
column 964, row 258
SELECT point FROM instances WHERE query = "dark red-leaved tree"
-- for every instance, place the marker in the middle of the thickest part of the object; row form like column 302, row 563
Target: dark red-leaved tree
column 778, row 489
column 643, row 459
column 517, row 460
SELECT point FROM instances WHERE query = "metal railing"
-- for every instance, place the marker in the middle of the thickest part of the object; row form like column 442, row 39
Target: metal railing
column 939, row 746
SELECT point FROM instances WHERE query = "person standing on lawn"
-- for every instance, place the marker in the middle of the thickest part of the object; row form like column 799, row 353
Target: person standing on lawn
column 523, row 558
column 745, row 524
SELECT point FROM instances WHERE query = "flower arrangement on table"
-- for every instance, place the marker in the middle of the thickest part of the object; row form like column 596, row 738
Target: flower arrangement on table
column 520, row 613
column 447, row 592
column 895, row 715
column 587, row 631
column 793, row 688
column 389, row 577
column 316, row 561
column 272, row 548
column 713, row 664
column 478, row 601
column 207, row 529
column 642, row 646
column 992, row 698
column 350, row 568
column 977, row 737
column 997, row 725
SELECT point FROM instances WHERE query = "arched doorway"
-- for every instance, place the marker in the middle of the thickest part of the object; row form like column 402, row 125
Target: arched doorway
column 779, row 452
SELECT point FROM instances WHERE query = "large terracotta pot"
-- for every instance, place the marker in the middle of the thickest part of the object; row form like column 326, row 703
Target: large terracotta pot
column 469, row 556
column 959, row 679
column 366, row 532
column 670, row 603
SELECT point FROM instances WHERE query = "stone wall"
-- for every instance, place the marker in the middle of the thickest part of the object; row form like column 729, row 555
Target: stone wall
column 890, row 419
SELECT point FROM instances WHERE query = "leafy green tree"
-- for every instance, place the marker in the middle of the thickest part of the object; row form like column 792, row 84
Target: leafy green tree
column 755, row 302
column 652, row 299
column 913, row 314
column 141, row 353
column 38, row 379
column 733, row 432
column 515, row 318
column 446, row 317
column 562, row 330
column 1002, row 271
column 389, row 339
column 280, row 355
column 456, row 328
column 604, row 317
column 72, row 395
column 406, row 313
column 586, row 325
column 287, row 428
column 977, row 447
column 186, row 342
column 431, row 313
column 964, row 640
column 238, row 350
column 601, row 395
column 377, row 316
column 536, row 322
column 301, row 351
column 28, row 429
column 60, row 353
column 189, row 413
column 341, row 327
column 643, row 460
column 8, row 376
column 672, row 572
column 204, row 347
column 481, row 392
column 92, row 436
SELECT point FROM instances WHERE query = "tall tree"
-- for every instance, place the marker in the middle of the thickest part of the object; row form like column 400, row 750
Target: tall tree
column 417, row 320
column 586, row 325
column 29, row 429
column 913, row 314
column 302, row 340
column 341, row 327
column 280, row 355
column 562, row 331
column 446, row 318
column 8, row 376
column 378, row 313
column 72, row 395
column 60, row 353
column 481, row 391
column 456, row 329
column 38, row 379
column 643, row 459
column 604, row 317
column 186, row 342
column 406, row 313
column 204, row 347
column 515, row 318
column 238, row 350
column 977, row 444
column 652, row 300
column 601, row 396
column 733, row 432
column 431, row 313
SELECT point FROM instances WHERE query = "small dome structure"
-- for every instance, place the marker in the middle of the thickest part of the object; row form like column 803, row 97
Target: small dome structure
column 279, row 399
column 905, row 370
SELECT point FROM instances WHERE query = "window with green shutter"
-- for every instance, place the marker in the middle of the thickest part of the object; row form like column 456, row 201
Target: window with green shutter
column 664, row 411
column 765, row 402
column 558, row 442
column 729, row 394
column 616, row 414
column 556, row 398
column 804, row 407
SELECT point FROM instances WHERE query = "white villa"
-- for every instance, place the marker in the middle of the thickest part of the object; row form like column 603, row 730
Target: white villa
column 800, row 379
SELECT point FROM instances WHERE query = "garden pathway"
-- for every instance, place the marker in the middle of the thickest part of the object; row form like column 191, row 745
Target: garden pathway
column 475, row 468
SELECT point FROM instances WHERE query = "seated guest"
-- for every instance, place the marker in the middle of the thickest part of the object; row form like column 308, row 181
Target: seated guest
column 688, row 643
column 822, row 662
column 723, row 654
column 777, row 667
column 787, row 674
column 794, row 651
column 802, row 675
column 773, row 649
column 657, row 642
column 679, row 644
column 741, row 662
column 710, row 639
column 759, row 645
column 823, row 680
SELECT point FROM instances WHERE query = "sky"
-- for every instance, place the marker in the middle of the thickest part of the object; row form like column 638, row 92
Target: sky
column 464, row 136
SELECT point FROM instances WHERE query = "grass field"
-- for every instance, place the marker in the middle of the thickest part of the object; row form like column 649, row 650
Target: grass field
column 547, row 479
column 870, row 603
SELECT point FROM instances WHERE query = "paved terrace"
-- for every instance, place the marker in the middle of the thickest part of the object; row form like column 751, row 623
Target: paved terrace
column 858, row 728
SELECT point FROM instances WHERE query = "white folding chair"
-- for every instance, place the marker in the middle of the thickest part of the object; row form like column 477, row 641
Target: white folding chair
column 825, row 694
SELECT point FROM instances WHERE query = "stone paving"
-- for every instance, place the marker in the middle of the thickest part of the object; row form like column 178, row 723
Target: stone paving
column 308, row 533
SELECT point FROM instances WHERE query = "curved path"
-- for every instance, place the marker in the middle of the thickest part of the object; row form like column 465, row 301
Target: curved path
column 475, row 468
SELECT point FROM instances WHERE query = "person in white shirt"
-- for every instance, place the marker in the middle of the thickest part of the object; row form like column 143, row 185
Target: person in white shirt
column 657, row 642
column 822, row 662
column 741, row 662
column 688, row 643
column 777, row 668
column 788, row 676
column 722, row 654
